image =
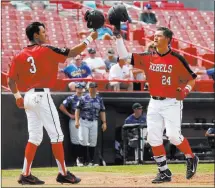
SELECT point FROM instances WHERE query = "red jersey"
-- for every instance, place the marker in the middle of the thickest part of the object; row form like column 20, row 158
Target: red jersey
column 36, row 66
column 164, row 73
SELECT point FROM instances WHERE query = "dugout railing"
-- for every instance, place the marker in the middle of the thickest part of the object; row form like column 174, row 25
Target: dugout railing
column 141, row 141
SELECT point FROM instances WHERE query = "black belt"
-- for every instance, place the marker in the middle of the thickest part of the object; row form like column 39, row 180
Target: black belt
column 158, row 98
column 39, row 90
column 87, row 119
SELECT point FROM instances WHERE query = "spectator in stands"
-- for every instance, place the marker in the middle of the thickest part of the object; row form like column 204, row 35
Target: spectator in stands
column 147, row 16
column 76, row 69
column 111, row 59
column 138, row 117
column 209, row 72
column 104, row 33
column 96, row 64
column 122, row 72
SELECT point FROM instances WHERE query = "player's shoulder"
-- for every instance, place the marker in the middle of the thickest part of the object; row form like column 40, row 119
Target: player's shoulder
column 145, row 53
column 63, row 51
column 177, row 55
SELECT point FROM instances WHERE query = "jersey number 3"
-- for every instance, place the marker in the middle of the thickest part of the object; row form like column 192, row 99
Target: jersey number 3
column 166, row 80
column 33, row 68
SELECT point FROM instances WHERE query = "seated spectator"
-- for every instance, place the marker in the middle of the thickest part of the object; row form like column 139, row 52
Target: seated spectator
column 76, row 69
column 111, row 59
column 147, row 16
column 122, row 72
column 104, row 33
column 96, row 64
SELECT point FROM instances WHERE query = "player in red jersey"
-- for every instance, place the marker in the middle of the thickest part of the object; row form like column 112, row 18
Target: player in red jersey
column 34, row 71
column 170, row 80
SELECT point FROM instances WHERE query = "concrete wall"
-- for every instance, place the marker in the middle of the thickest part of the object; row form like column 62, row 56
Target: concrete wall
column 199, row 4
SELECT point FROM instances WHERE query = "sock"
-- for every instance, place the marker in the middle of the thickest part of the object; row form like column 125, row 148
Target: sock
column 160, row 157
column 30, row 151
column 185, row 148
column 158, row 150
column 57, row 149
column 91, row 153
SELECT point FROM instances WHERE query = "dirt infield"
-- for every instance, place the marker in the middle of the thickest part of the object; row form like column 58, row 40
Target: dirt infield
column 106, row 179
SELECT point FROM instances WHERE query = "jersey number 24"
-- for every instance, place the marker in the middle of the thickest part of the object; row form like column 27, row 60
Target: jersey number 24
column 166, row 80
column 33, row 68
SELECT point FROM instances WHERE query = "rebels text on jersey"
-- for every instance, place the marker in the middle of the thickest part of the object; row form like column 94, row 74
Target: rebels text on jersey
column 164, row 73
column 36, row 66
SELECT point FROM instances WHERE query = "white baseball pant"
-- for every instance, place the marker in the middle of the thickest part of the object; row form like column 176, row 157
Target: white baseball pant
column 41, row 111
column 73, row 131
column 163, row 114
column 88, row 132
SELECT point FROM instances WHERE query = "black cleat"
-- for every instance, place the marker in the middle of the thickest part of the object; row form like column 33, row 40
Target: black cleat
column 192, row 164
column 69, row 178
column 30, row 180
column 163, row 176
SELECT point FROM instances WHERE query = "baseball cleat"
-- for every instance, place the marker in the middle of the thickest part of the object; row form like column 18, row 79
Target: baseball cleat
column 30, row 180
column 192, row 164
column 69, row 178
column 163, row 176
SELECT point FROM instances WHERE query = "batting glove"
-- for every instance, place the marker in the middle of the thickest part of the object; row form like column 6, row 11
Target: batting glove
column 20, row 103
column 182, row 93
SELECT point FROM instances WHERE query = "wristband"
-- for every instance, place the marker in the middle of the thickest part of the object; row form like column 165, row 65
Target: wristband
column 188, row 87
column 17, row 95
column 88, row 40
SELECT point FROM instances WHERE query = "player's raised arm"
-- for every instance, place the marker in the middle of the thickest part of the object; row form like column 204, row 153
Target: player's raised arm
column 95, row 19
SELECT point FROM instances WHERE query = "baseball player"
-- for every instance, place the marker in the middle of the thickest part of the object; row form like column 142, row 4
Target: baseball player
column 68, row 107
column 34, row 71
column 166, row 72
column 87, row 113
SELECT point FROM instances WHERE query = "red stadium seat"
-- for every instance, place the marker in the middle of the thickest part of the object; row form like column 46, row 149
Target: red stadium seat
column 209, row 57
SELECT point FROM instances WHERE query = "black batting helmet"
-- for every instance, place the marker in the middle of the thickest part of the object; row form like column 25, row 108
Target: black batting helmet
column 95, row 19
column 117, row 14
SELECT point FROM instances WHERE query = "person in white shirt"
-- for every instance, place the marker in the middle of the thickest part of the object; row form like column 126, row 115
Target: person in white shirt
column 96, row 64
column 121, row 71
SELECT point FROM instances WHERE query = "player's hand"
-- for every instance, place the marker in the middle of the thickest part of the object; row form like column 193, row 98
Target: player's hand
column 77, row 125
column 94, row 35
column 181, row 93
column 104, row 127
column 20, row 103
column 72, row 116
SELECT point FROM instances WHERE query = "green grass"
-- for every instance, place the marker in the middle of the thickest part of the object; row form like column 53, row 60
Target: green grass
column 128, row 169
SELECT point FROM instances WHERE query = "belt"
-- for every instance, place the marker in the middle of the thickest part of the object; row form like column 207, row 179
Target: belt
column 87, row 119
column 39, row 90
column 158, row 98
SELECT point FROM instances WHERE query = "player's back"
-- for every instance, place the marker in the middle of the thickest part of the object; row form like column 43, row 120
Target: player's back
column 36, row 66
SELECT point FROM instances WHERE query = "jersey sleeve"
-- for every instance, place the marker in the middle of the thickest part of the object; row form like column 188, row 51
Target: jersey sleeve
column 138, row 59
column 58, row 55
column 102, row 106
column 13, row 71
column 67, row 102
column 185, row 73
column 80, row 104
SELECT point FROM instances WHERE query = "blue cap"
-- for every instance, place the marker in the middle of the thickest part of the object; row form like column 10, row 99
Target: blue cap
column 79, row 85
column 148, row 6
column 93, row 85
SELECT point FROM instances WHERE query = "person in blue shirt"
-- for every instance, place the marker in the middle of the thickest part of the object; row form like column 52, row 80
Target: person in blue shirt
column 68, row 107
column 77, row 69
column 210, row 134
column 210, row 72
column 87, row 113
column 104, row 33
column 138, row 117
